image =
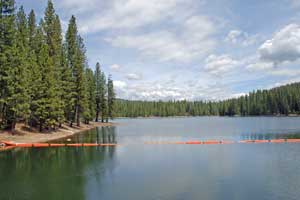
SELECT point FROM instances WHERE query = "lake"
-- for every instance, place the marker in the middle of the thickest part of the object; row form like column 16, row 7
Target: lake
column 135, row 171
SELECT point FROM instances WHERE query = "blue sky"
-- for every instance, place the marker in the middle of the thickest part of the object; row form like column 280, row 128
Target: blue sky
column 187, row 49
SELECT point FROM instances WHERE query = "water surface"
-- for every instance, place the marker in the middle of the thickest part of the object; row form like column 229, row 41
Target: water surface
column 135, row 171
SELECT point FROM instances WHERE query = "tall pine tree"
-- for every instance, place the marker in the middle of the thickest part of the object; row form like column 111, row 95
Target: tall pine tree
column 7, row 45
column 98, row 91
column 77, row 61
column 110, row 97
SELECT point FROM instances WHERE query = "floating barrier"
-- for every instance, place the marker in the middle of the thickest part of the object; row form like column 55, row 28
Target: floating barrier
column 4, row 145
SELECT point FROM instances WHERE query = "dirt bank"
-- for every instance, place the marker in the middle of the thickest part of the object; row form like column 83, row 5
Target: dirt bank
column 24, row 135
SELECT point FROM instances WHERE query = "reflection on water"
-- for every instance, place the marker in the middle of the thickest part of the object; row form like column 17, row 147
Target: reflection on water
column 54, row 173
column 269, row 136
column 99, row 135
column 167, row 172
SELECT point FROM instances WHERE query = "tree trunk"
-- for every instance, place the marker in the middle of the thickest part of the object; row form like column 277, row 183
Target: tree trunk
column 97, row 116
column 13, row 127
column 41, row 126
column 78, row 116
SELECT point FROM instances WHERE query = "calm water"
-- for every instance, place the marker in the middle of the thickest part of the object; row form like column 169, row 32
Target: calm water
column 135, row 171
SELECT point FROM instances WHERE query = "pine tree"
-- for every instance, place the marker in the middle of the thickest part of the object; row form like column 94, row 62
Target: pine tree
column 77, row 62
column 71, row 47
column 101, row 94
column 67, row 86
column 98, row 90
column 110, row 97
column 7, row 51
column 103, row 97
column 35, row 73
column 90, row 87
column 79, row 79
column 45, row 102
column 53, row 33
column 20, row 75
column 13, row 58
column 32, row 29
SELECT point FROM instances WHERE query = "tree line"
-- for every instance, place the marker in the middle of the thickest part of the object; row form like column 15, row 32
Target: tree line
column 45, row 80
column 282, row 100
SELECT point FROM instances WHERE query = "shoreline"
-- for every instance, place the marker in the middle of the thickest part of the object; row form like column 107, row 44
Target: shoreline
column 190, row 116
column 25, row 136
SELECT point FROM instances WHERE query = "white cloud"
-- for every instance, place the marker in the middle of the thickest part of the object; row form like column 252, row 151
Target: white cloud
column 165, row 90
column 77, row 5
column 120, row 84
column 237, row 95
column 285, row 72
column 241, row 37
column 218, row 65
column 133, row 76
column 115, row 67
column 184, row 46
column 277, row 55
column 128, row 14
column 260, row 66
column 173, row 31
column 283, row 47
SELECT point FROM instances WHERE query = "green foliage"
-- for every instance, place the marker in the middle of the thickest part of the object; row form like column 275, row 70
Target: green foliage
column 278, row 101
column 101, row 94
column 77, row 62
column 90, row 94
column 98, row 90
column 110, row 97
column 43, row 81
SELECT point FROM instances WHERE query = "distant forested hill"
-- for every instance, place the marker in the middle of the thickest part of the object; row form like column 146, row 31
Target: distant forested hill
column 282, row 100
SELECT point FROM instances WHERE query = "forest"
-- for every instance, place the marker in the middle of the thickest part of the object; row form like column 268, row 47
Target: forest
column 284, row 100
column 45, row 80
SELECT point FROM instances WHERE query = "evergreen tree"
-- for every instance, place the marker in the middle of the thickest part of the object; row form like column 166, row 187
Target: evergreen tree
column 43, row 80
column 7, row 51
column 103, row 97
column 90, row 104
column 67, row 86
column 32, row 29
column 98, row 90
column 71, row 46
column 14, row 101
column 53, row 34
column 35, row 73
column 79, row 79
column 77, row 62
column 110, row 97
column 45, row 102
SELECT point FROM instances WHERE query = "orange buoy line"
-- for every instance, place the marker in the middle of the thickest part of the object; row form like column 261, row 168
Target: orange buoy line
column 29, row 145
column 8, row 145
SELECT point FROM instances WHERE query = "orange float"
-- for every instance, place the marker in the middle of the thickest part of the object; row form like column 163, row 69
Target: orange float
column 193, row 142
column 7, row 144
column 246, row 141
column 278, row 141
column 24, row 145
column 211, row 142
column 90, row 145
column 57, row 145
column 261, row 141
column 293, row 140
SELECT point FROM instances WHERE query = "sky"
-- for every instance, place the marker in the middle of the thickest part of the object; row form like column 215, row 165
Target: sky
column 187, row 49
